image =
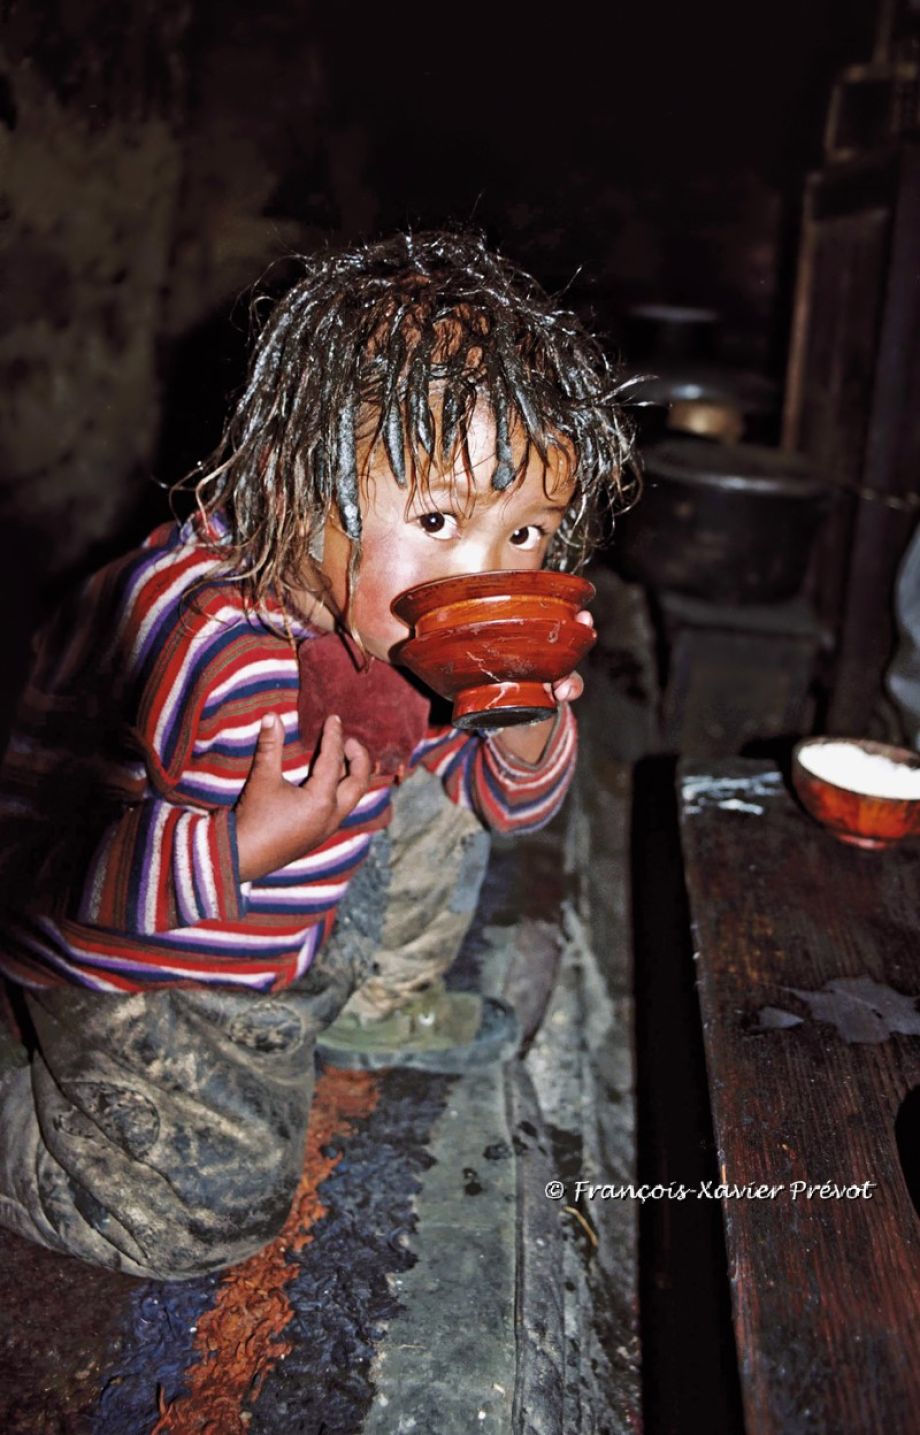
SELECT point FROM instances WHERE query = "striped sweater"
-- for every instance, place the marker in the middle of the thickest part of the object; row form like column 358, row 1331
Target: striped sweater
column 118, row 862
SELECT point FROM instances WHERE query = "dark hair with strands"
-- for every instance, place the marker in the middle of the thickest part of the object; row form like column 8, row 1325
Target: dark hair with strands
column 400, row 341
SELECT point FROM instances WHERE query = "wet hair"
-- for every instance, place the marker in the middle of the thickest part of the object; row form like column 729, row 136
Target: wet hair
column 407, row 338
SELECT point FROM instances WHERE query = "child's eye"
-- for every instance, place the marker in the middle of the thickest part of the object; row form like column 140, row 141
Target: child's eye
column 527, row 537
column 437, row 525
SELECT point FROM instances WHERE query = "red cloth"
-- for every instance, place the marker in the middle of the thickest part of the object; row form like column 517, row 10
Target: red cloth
column 378, row 705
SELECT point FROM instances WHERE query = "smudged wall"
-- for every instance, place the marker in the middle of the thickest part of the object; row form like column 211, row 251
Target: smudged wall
column 91, row 167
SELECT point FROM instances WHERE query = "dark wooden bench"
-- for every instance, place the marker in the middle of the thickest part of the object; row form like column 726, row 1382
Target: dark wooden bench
column 808, row 969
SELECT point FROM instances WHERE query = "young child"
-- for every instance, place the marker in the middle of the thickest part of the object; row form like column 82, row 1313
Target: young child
column 214, row 738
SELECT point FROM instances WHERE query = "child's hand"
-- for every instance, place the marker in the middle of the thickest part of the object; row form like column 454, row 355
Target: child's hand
column 566, row 690
column 278, row 822
column 530, row 742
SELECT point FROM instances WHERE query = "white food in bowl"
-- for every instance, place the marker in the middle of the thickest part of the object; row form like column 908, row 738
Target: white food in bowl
column 870, row 773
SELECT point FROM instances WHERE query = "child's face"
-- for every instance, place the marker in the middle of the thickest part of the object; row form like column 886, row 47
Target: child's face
column 456, row 525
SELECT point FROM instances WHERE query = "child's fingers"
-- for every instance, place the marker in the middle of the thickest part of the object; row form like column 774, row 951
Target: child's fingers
column 266, row 760
column 566, row 690
column 357, row 754
column 327, row 764
column 354, row 786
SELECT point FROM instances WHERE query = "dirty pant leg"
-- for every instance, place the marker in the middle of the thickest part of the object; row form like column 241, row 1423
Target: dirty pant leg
column 430, row 865
column 161, row 1134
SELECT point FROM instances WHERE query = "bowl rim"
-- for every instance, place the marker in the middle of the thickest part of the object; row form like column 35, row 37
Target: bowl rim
column 504, row 632
column 876, row 749
column 470, row 587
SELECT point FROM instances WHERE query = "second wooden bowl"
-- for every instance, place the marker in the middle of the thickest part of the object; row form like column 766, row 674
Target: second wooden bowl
column 866, row 793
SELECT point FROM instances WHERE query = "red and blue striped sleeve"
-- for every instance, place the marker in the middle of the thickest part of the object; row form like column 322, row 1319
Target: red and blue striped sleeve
column 105, row 758
column 171, row 860
column 509, row 794
column 160, row 867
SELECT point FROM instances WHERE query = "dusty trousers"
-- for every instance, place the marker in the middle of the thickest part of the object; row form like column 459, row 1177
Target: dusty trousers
column 162, row 1133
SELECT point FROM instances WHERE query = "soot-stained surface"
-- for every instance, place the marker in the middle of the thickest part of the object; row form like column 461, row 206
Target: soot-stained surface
column 61, row 1322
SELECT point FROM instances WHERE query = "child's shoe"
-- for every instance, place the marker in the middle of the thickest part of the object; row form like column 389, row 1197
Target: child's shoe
column 438, row 1030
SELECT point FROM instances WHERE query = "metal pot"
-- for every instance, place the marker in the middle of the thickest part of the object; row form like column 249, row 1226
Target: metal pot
column 728, row 523
column 712, row 400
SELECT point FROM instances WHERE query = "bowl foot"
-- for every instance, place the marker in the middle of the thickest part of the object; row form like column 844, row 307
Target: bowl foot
column 494, row 705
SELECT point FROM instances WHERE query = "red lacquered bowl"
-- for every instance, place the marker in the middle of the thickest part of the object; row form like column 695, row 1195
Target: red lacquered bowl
column 864, row 819
column 489, row 641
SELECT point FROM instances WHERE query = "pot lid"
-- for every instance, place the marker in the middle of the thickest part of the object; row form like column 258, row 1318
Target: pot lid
column 673, row 314
column 696, row 382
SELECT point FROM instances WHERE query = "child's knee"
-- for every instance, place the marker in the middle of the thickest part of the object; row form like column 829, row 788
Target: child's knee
column 232, row 1231
column 172, row 1224
column 213, row 1206
column 164, row 1185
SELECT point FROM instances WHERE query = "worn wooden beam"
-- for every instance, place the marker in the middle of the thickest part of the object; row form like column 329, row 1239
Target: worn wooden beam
column 807, row 973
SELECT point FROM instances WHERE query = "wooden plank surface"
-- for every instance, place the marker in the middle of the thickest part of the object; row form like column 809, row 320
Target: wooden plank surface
column 808, row 969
